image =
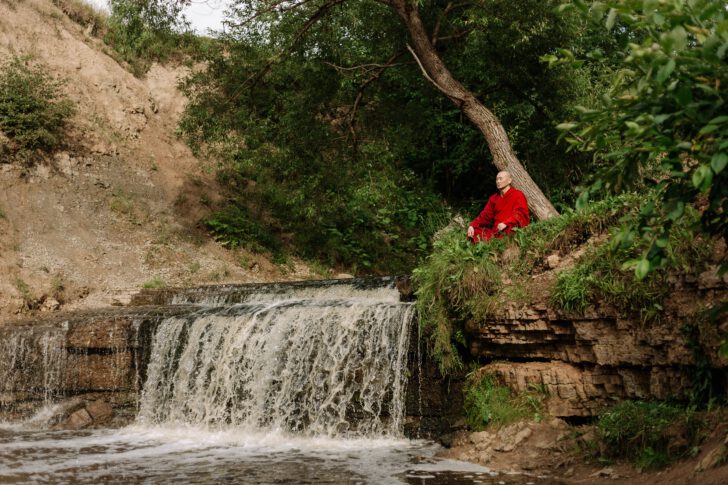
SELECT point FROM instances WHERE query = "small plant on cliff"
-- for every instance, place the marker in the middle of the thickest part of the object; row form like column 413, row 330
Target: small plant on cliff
column 489, row 403
column 155, row 282
column 33, row 109
column 147, row 31
column 651, row 433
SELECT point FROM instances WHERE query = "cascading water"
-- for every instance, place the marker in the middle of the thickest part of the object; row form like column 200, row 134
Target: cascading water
column 283, row 383
column 328, row 362
column 32, row 360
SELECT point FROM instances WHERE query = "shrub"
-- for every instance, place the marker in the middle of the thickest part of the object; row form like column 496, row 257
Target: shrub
column 603, row 274
column 143, row 32
column 155, row 282
column 647, row 432
column 33, row 110
column 234, row 227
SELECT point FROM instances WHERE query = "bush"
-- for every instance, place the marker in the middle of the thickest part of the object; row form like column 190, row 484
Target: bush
column 488, row 403
column 155, row 282
column 33, row 110
column 603, row 274
column 234, row 227
column 154, row 30
column 647, row 432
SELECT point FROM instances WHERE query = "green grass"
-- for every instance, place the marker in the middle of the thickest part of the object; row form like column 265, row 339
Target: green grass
column 648, row 432
column 24, row 289
column 487, row 403
column 601, row 275
column 155, row 282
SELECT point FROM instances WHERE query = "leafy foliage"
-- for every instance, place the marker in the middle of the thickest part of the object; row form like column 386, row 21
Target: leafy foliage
column 663, row 123
column 233, row 227
column 148, row 30
column 488, row 403
column 601, row 277
column 642, row 430
column 33, row 109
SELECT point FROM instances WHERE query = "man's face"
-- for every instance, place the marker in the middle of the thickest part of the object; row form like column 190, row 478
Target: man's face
column 502, row 180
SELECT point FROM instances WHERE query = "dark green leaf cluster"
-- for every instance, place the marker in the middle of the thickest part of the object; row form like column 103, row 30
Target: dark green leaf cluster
column 664, row 121
column 234, row 227
column 33, row 109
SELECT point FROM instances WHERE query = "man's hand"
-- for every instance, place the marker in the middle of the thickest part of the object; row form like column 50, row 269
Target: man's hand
column 471, row 231
column 501, row 227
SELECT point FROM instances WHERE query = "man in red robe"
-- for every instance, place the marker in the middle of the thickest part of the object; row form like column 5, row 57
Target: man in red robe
column 505, row 210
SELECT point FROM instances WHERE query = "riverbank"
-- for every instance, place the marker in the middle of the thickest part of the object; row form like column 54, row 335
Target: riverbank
column 570, row 454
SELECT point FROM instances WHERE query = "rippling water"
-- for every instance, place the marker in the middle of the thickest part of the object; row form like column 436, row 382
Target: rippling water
column 191, row 455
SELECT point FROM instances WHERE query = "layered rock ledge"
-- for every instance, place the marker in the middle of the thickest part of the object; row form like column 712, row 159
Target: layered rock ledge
column 586, row 360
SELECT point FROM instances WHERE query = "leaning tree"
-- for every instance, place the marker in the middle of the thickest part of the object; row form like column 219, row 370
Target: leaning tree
column 424, row 22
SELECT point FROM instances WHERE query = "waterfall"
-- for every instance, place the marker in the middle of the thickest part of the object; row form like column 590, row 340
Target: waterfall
column 33, row 361
column 328, row 361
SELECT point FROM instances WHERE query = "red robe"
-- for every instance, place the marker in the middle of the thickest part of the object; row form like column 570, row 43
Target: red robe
column 511, row 209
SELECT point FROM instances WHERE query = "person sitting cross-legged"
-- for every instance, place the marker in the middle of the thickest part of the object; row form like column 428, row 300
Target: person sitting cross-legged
column 505, row 210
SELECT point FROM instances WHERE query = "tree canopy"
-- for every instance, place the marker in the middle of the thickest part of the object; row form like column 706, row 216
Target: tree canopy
column 352, row 149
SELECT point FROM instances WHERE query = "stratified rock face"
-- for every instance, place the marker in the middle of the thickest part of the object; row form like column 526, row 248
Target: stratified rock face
column 584, row 361
column 88, row 355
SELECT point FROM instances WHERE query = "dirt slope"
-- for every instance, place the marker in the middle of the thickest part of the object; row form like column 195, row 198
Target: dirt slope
column 121, row 204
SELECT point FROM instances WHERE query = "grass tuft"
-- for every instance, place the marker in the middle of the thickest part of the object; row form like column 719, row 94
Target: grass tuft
column 488, row 403
column 155, row 282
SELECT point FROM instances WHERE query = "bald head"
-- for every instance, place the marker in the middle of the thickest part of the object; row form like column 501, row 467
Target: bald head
column 503, row 181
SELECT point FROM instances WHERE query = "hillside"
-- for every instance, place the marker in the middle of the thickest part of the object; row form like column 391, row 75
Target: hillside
column 120, row 205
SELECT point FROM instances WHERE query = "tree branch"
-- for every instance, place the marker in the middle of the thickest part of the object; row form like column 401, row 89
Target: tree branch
column 320, row 13
column 360, row 92
column 427, row 76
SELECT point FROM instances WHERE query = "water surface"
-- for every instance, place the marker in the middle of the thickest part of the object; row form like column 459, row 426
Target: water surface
column 184, row 454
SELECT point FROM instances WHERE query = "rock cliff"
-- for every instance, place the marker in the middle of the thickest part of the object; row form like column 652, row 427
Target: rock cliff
column 586, row 360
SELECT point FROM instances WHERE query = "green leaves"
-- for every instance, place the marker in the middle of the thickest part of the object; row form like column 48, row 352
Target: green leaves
column 33, row 109
column 665, row 122
column 702, row 178
column 664, row 71
column 718, row 162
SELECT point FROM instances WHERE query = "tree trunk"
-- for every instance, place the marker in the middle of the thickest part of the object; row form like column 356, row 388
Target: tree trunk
column 488, row 124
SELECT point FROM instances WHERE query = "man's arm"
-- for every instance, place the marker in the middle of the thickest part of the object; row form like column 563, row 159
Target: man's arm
column 486, row 216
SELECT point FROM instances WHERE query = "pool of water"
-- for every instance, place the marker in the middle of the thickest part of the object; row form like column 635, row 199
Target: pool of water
column 139, row 454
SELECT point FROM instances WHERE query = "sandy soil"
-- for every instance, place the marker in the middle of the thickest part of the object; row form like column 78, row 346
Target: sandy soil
column 120, row 205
